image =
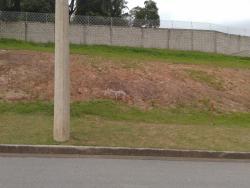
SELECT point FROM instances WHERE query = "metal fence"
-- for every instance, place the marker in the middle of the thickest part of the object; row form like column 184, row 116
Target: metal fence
column 124, row 22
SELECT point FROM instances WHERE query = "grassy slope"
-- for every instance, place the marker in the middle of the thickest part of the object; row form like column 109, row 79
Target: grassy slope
column 105, row 123
column 138, row 54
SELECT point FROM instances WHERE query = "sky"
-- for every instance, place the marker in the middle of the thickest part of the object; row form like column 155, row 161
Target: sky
column 227, row 12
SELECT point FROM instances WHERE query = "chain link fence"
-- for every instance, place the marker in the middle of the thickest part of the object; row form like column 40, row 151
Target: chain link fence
column 123, row 22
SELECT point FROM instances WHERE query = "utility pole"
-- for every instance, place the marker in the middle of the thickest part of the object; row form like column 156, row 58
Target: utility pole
column 62, row 73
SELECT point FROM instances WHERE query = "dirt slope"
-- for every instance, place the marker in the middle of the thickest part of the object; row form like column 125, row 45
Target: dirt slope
column 26, row 75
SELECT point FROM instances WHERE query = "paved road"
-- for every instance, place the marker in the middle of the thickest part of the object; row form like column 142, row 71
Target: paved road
column 18, row 172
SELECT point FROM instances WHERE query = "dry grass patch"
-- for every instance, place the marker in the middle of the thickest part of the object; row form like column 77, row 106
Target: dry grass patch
column 96, row 131
column 205, row 78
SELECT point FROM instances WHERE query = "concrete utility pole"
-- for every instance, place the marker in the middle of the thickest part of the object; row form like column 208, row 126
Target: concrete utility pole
column 62, row 73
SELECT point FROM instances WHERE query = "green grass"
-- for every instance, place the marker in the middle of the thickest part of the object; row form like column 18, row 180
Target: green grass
column 107, row 123
column 206, row 78
column 116, row 111
column 137, row 54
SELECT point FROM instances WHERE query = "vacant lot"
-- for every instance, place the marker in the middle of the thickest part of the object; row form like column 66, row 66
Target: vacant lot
column 128, row 97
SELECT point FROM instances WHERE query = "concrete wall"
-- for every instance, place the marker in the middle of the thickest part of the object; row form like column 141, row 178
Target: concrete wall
column 180, row 39
column 13, row 30
column 155, row 38
column 245, row 44
column 177, row 39
column 204, row 41
column 125, row 36
column 97, row 35
column 40, row 32
column 76, row 34
column 227, row 44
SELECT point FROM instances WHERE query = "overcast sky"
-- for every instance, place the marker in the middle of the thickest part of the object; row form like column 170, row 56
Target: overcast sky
column 212, row 11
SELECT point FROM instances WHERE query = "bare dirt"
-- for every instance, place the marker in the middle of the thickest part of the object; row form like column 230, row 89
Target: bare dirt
column 28, row 76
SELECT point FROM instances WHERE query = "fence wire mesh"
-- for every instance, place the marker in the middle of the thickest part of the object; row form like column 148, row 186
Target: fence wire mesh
column 123, row 22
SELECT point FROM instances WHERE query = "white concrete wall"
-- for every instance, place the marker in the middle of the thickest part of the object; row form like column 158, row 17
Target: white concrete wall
column 13, row 30
column 76, row 34
column 204, row 41
column 155, row 38
column 227, row 44
column 125, row 36
column 177, row 39
column 180, row 39
column 40, row 32
column 97, row 35
column 244, row 43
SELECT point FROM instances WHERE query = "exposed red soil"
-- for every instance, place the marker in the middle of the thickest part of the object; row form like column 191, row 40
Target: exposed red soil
column 26, row 75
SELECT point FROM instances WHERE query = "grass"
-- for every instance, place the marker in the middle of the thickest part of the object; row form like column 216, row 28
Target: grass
column 206, row 78
column 107, row 123
column 117, row 111
column 137, row 54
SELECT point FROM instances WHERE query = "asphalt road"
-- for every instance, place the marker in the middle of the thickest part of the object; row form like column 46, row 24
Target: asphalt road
column 29, row 172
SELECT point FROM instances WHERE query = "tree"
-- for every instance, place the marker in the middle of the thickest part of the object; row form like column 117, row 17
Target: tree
column 88, row 7
column 10, row 5
column 106, row 8
column 117, row 7
column 101, row 8
column 2, row 5
column 41, row 6
column 147, row 16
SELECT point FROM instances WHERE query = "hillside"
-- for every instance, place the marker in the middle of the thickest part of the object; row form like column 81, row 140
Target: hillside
column 129, row 97
column 215, row 83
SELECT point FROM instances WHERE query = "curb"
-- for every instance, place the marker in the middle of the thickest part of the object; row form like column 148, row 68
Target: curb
column 119, row 151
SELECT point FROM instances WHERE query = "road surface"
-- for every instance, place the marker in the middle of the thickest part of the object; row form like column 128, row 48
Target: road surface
column 30, row 172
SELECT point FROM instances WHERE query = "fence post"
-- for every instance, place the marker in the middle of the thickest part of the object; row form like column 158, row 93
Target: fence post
column 168, row 37
column 88, row 20
column 192, row 36
column 85, row 31
column 215, row 42
column 111, row 31
column 142, row 37
column 26, row 27
column 111, row 21
column 239, row 43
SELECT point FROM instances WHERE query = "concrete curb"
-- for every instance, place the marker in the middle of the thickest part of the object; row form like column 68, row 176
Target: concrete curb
column 117, row 151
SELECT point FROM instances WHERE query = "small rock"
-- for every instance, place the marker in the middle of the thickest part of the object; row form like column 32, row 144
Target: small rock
column 117, row 95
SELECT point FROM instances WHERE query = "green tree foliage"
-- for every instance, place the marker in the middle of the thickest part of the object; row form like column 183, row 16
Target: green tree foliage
column 45, row 6
column 147, row 16
column 10, row 5
column 116, row 7
column 107, row 8
column 2, row 5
